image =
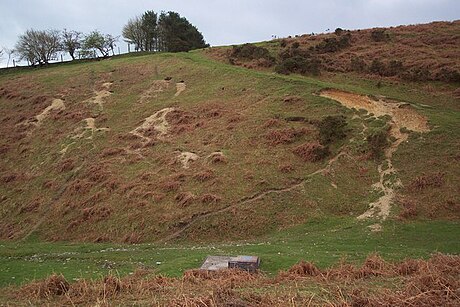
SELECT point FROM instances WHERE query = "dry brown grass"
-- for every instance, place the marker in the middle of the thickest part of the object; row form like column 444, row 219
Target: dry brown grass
column 412, row 282
column 311, row 152
column 284, row 136
column 204, row 175
column 433, row 180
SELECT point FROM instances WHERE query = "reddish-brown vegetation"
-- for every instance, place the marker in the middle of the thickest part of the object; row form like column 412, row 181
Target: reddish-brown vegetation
column 412, row 282
column 284, row 136
column 311, row 152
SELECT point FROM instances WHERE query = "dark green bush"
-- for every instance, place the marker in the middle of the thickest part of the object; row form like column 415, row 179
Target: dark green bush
column 358, row 64
column 448, row 75
column 299, row 64
column 377, row 67
column 394, row 68
column 331, row 129
column 380, row 35
column 417, row 74
column 333, row 45
column 376, row 143
column 250, row 52
column 338, row 31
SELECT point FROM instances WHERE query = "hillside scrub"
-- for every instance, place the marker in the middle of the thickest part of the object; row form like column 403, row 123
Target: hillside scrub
column 403, row 52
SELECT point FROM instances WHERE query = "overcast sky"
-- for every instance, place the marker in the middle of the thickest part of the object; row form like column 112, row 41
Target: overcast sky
column 222, row 22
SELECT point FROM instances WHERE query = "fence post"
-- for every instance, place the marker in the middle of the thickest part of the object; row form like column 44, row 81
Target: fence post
column 62, row 59
column 129, row 49
column 14, row 63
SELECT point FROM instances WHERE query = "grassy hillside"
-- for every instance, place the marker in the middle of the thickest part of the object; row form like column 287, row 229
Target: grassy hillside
column 154, row 161
column 63, row 179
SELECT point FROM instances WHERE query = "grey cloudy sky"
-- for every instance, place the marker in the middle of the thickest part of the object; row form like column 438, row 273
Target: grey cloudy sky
column 222, row 22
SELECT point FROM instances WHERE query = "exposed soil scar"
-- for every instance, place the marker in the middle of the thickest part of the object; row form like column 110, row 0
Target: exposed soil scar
column 402, row 116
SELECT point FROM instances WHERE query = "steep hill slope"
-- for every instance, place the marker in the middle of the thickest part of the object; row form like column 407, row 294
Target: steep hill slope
column 161, row 147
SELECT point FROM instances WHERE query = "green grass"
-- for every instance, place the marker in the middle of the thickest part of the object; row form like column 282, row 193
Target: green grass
column 322, row 241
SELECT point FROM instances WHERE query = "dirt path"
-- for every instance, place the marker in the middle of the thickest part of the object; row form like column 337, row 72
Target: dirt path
column 195, row 219
column 100, row 96
column 157, row 87
column 402, row 116
column 180, row 87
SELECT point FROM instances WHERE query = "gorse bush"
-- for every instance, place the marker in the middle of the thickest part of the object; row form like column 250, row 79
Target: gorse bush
column 377, row 142
column 331, row 129
column 380, row 35
column 333, row 44
column 298, row 64
column 250, row 52
column 358, row 64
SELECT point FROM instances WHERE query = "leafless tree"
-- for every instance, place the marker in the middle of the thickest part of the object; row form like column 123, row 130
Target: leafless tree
column 71, row 42
column 38, row 47
column 134, row 33
column 95, row 41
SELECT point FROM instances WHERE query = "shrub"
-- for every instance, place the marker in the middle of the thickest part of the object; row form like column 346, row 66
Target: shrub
column 331, row 128
column 250, row 52
column 338, row 31
column 394, row 68
column 283, row 43
column 380, row 35
column 299, row 64
column 417, row 74
column 295, row 45
column 333, row 45
column 377, row 142
column 449, row 75
column 358, row 64
column 377, row 67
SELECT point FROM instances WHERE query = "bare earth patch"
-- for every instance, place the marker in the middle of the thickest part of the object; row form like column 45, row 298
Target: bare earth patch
column 157, row 86
column 90, row 126
column 402, row 116
column 180, row 87
column 56, row 105
column 100, row 96
column 157, row 122
column 185, row 158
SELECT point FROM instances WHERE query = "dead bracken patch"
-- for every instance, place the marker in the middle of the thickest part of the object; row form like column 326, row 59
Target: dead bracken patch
column 184, row 199
column 411, row 282
column 311, row 152
column 204, row 175
column 284, row 136
column 292, row 99
column 217, row 157
column 424, row 181
column 210, row 199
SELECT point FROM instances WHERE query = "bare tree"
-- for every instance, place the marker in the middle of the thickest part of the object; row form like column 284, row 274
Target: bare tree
column 9, row 52
column 71, row 42
column 38, row 47
column 134, row 33
column 95, row 41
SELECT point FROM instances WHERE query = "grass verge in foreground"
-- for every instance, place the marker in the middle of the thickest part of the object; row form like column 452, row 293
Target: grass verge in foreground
column 322, row 241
